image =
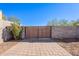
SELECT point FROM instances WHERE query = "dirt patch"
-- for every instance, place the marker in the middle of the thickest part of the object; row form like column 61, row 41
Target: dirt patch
column 71, row 47
column 6, row 45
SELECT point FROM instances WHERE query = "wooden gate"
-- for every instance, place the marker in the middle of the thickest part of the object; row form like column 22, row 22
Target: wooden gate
column 37, row 32
column 31, row 32
column 44, row 32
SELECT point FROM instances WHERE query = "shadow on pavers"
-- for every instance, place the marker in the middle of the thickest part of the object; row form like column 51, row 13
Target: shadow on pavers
column 41, row 40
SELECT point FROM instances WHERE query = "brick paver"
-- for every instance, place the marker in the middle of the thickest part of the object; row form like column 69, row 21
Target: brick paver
column 36, row 49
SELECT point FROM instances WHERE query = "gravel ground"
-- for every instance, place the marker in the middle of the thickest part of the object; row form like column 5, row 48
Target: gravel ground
column 71, row 47
column 6, row 45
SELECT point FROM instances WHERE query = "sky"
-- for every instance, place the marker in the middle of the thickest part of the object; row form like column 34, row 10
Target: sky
column 38, row 14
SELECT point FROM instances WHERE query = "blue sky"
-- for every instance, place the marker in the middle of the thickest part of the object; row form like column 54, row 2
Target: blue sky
column 34, row 14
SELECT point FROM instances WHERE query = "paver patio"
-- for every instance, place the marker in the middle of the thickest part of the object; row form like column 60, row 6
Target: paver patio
column 36, row 49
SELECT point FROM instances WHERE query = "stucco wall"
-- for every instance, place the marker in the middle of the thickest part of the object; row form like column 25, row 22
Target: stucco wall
column 77, row 32
column 65, row 32
column 3, row 32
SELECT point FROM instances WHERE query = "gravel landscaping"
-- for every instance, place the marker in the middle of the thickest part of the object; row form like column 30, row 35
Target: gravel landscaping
column 6, row 45
column 71, row 47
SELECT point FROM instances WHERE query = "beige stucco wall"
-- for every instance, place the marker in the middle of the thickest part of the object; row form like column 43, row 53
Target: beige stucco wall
column 3, row 24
